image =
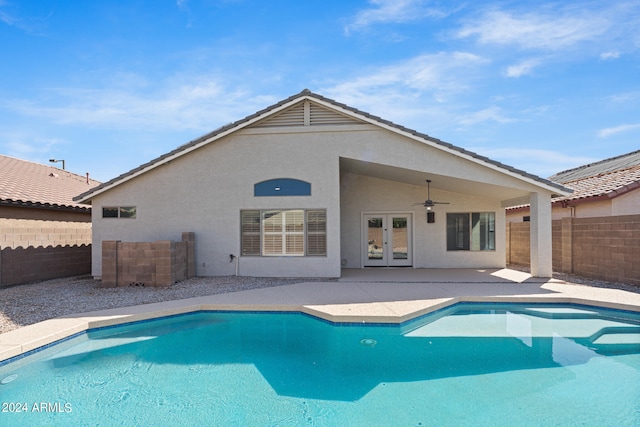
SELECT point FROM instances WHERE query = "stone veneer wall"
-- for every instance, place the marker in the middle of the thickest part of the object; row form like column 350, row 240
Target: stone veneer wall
column 603, row 248
column 33, row 250
column 161, row 263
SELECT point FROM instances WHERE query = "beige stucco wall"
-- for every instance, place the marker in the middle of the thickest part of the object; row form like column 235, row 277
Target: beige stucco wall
column 627, row 204
column 205, row 190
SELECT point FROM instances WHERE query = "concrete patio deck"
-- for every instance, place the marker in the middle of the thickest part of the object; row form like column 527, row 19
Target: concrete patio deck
column 369, row 295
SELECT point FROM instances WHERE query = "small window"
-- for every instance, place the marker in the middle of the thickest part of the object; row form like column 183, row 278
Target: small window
column 127, row 212
column 471, row 231
column 282, row 187
column 109, row 212
column 119, row 212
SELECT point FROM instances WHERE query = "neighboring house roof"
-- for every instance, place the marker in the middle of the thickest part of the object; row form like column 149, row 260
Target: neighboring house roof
column 287, row 117
column 604, row 185
column 33, row 185
column 603, row 166
column 605, row 179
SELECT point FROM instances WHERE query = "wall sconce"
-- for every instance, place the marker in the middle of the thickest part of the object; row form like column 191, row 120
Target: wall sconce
column 431, row 217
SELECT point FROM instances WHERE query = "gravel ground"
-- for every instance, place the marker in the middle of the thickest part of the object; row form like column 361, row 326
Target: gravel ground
column 31, row 303
column 26, row 304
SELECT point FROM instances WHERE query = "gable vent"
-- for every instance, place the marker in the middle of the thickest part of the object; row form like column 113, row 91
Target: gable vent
column 323, row 116
column 306, row 114
column 293, row 116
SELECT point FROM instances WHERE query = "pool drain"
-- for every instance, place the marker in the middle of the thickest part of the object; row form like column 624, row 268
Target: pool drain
column 10, row 378
column 369, row 342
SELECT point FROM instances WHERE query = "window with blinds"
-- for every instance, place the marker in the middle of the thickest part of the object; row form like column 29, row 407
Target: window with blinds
column 294, row 232
column 250, row 230
column 471, row 231
column 316, row 233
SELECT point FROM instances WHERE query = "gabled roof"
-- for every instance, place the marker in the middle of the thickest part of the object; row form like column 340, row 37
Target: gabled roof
column 283, row 114
column 28, row 184
column 612, row 164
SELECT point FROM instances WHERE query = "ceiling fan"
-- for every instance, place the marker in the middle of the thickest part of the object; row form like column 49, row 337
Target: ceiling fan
column 429, row 204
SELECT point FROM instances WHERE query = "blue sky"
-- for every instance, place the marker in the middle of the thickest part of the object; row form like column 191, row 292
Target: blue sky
column 108, row 85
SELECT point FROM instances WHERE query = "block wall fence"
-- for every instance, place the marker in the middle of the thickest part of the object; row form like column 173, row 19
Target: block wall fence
column 34, row 250
column 602, row 248
column 161, row 263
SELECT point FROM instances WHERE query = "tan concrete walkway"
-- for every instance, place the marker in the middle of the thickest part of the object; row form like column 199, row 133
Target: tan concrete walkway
column 387, row 295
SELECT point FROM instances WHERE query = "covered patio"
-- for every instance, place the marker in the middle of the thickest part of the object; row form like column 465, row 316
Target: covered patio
column 379, row 190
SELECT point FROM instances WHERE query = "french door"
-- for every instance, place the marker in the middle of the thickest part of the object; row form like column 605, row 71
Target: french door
column 387, row 240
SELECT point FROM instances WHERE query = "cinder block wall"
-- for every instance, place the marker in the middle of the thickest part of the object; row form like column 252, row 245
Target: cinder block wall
column 33, row 250
column 161, row 263
column 602, row 248
column 518, row 248
column 24, row 233
column 607, row 248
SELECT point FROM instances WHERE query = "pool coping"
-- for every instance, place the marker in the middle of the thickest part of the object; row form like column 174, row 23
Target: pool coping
column 336, row 302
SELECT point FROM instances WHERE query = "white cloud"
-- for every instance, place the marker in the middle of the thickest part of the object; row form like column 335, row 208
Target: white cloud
column 7, row 18
column 521, row 69
column 543, row 163
column 553, row 30
column 183, row 103
column 610, row 55
column 624, row 97
column 392, row 11
column 439, row 74
column 29, row 146
column 604, row 133
column 486, row 115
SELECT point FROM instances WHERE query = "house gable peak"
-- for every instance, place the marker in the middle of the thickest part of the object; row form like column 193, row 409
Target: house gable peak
column 309, row 109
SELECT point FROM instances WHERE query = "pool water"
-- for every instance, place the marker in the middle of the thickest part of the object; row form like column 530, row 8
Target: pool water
column 470, row 364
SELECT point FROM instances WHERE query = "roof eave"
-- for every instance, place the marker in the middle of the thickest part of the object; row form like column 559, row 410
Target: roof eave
column 555, row 188
column 186, row 148
column 598, row 197
column 46, row 206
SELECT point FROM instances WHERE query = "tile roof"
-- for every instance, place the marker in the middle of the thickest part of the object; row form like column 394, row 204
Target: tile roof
column 307, row 94
column 603, row 166
column 28, row 184
column 605, row 179
column 608, row 184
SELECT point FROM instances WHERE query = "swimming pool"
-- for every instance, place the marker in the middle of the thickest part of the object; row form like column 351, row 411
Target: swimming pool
column 469, row 364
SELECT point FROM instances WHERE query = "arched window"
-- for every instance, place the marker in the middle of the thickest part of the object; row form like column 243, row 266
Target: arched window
column 282, row 187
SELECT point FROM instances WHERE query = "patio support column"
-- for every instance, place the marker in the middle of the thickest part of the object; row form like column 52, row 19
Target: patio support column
column 541, row 243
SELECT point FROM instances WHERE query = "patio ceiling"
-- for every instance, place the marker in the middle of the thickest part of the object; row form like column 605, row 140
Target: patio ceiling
column 509, row 196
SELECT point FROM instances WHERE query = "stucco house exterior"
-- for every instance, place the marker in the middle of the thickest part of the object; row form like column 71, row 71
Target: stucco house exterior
column 309, row 186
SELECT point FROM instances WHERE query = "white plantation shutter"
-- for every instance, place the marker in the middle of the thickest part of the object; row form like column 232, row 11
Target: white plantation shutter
column 283, row 232
column 250, row 232
column 316, row 232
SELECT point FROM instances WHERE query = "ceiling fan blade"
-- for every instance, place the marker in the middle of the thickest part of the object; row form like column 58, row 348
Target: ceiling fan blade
column 442, row 203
